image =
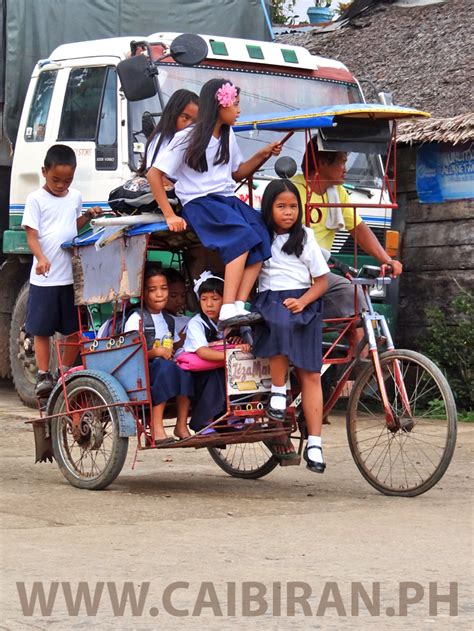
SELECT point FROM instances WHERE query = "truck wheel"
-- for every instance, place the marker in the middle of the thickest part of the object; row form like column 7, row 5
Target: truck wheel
column 22, row 352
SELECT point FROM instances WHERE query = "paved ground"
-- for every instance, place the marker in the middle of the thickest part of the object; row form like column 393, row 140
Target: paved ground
column 292, row 542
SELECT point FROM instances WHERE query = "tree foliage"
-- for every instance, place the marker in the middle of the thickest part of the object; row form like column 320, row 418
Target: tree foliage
column 449, row 342
column 281, row 11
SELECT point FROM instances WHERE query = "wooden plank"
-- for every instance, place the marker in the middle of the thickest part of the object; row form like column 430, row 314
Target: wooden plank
column 444, row 233
column 438, row 258
column 421, row 213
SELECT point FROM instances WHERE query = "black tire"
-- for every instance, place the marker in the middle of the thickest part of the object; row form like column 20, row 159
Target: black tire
column 413, row 457
column 91, row 454
column 22, row 352
column 244, row 460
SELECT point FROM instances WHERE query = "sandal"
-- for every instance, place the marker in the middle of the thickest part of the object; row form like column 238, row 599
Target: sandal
column 161, row 442
column 283, row 441
column 315, row 467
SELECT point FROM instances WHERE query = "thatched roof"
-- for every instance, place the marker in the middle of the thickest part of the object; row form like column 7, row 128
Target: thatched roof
column 423, row 55
column 454, row 131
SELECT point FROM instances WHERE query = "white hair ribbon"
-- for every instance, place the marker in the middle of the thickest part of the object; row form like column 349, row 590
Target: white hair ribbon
column 204, row 276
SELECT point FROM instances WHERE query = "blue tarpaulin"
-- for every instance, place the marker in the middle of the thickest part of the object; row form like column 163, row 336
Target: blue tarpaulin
column 444, row 172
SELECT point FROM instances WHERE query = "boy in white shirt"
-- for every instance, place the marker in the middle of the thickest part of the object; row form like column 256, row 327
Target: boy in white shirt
column 52, row 216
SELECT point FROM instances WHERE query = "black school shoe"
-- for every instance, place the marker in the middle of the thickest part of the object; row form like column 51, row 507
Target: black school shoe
column 242, row 319
column 315, row 467
column 274, row 413
column 44, row 384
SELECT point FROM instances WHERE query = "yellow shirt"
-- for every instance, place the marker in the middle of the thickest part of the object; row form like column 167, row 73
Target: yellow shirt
column 325, row 236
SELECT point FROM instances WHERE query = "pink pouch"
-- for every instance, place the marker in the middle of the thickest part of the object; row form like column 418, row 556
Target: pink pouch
column 192, row 361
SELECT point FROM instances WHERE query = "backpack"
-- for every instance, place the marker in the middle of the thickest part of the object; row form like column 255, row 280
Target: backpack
column 133, row 197
column 148, row 325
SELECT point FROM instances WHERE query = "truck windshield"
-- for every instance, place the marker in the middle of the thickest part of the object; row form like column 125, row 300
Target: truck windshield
column 260, row 92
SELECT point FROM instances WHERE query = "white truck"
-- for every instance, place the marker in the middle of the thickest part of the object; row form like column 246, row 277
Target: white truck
column 75, row 97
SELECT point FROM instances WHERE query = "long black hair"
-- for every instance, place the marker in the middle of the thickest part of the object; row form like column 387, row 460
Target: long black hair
column 211, row 285
column 195, row 155
column 166, row 126
column 297, row 235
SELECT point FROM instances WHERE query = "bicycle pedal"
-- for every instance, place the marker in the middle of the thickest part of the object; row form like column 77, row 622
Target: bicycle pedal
column 291, row 462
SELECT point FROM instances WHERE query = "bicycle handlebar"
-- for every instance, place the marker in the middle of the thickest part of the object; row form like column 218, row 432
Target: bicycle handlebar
column 369, row 272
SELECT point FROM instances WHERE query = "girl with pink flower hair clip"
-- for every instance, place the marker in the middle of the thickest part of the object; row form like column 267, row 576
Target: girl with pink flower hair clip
column 205, row 161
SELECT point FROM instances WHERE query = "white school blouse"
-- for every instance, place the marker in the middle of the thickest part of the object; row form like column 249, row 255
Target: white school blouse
column 151, row 150
column 191, row 184
column 287, row 271
column 196, row 334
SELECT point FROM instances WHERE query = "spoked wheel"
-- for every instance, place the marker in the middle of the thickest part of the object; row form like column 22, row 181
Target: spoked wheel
column 86, row 443
column 244, row 460
column 411, row 457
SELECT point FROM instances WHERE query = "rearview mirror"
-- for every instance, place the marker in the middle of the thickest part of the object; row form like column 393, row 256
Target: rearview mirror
column 285, row 167
column 138, row 74
column 148, row 124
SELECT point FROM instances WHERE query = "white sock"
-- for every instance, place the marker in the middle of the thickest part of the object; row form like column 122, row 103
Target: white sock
column 227, row 311
column 240, row 307
column 316, row 455
column 278, row 403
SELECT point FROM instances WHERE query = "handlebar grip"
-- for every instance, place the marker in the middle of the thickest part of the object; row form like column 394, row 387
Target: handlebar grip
column 342, row 267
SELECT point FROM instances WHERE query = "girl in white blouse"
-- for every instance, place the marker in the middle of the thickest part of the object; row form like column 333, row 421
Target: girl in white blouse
column 291, row 284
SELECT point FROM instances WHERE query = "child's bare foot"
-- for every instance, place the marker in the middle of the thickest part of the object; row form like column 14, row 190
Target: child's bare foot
column 182, row 434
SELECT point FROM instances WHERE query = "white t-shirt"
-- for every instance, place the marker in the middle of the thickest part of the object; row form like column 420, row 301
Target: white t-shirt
column 55, row 220
column 191, row 184
column 161, row 328
column 288, row 271
column 151, row 150
column 196, row 334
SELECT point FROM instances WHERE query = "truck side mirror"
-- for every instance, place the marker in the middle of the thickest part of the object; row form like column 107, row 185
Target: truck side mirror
column 135, row 77
column 285, row 167
column 188, row 49
column 137, row 74
column 148, row 124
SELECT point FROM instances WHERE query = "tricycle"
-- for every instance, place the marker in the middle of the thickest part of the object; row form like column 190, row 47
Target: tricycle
column 400, row 411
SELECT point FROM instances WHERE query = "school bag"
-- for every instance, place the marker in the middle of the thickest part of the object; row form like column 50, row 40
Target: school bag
column 106, row 330
column 134, row 196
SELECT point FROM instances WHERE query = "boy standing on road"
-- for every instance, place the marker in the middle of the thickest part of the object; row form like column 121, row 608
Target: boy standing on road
column 52, row 216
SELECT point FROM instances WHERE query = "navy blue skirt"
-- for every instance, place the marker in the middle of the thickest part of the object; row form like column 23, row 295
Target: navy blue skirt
column 209, row 400
column 167, row 380
column 297, row 336
column 229, row 226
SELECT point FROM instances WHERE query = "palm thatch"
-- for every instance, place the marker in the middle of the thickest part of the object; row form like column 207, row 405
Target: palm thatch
column 454, row 131
column 423, row 54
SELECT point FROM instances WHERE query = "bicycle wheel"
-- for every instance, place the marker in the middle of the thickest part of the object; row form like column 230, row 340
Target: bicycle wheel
column 86, row 443
column 244, row 460
column 413, row 456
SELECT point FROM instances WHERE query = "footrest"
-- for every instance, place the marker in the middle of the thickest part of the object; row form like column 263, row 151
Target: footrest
column 290, row 462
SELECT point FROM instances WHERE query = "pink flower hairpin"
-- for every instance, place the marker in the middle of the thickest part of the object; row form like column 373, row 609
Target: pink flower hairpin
column 226, row 95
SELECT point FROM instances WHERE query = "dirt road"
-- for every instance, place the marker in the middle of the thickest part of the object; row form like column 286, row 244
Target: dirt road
column 196, row 547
